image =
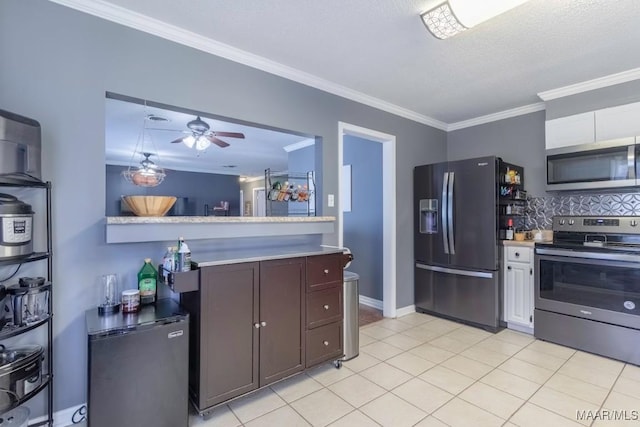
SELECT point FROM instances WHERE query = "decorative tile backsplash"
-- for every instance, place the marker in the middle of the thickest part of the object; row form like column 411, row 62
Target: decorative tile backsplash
column 540, row 210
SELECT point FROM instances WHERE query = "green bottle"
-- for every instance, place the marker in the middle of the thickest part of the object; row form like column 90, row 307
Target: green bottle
column 147, row 280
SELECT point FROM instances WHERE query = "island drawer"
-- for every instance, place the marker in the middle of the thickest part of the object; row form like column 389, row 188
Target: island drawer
column 324, row 343
column 324, row 307
column 324, row 271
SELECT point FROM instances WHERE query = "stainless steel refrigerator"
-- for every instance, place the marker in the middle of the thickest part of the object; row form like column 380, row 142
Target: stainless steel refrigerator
column 138, row 367
column 455, row 244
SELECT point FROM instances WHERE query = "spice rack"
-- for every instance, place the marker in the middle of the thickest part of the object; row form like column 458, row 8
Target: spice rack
column 10, row 330
column 512, row 198
column 289, row 193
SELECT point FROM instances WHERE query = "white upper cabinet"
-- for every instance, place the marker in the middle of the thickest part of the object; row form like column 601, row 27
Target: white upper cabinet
column 618, row 122
column 571, row 130
column 600, row 125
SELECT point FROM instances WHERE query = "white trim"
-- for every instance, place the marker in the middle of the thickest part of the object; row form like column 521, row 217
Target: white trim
column 598, row 83
column 61, row 418
column 388, row 213
column 298, row 145
column 370, row 302
column 138, row 21
column 405, row 310
column 500, row 115
column 520, row 328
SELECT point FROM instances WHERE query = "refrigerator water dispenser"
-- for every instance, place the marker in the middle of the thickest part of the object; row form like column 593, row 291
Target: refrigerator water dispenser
column 428, row 216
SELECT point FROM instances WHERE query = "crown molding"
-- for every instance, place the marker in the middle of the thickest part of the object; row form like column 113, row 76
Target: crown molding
column 298, row 145
column 519, row 111
column 138, row 21
column 600, row 82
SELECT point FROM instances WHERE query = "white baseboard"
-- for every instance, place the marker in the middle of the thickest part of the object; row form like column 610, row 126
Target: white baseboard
column 62, row 418
column 405, row 310
column 520, row 328
column 370, row 302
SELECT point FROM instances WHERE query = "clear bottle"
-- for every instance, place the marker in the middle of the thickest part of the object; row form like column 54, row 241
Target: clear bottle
column 147, row 282
column 184, row 256
column 509, row 233
column 168, row 263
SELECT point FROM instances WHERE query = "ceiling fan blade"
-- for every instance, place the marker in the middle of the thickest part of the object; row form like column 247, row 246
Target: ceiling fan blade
column 229, row 134
column 218, row 142
column 176, row 141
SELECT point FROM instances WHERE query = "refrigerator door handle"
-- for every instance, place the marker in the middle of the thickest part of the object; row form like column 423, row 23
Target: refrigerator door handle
column 445, row 237
column 480, row 274
column 452, row 247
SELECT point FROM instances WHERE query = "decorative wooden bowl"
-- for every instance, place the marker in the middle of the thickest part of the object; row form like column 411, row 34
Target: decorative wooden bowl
column 149, row 205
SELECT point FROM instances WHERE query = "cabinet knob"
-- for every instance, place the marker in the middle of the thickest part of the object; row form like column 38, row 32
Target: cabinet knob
column 517, row 253
column 256, row 325
column 508, row 267
column 263, row 323
column 326, row 306
column 326, row 271
column 326, row 343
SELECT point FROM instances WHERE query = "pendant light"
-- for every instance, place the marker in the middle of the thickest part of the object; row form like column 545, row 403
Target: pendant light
column 148, row 173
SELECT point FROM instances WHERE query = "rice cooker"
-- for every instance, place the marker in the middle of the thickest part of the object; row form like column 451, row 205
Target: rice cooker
column 20, row 374
column 16, row 218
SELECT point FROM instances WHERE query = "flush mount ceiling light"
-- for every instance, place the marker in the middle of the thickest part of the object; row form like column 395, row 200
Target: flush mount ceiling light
column 450, row 17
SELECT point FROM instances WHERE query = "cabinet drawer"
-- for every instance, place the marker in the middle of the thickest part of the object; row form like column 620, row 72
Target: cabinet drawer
column 324, row 271
column 324, row 343
column 519, row 254
column 324, row 307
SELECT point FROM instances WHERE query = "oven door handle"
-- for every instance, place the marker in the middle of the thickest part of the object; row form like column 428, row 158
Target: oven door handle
column 604, row 256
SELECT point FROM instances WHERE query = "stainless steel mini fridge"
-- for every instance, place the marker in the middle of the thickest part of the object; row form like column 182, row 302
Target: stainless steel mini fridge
column 138, row 367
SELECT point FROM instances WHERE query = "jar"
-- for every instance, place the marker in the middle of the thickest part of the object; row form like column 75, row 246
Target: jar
column 130, row 300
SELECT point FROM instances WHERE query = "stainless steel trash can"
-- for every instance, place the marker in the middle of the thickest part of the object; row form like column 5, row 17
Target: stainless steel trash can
column 351, row 299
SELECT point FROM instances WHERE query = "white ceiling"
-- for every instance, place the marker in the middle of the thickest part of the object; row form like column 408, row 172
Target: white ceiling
column 125, row 125
column 379, row 50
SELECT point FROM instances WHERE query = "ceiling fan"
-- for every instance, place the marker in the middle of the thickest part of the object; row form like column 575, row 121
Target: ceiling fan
column 201, row 136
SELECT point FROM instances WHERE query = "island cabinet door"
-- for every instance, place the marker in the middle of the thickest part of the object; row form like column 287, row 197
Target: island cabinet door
column 229, row 333
column 282, row 317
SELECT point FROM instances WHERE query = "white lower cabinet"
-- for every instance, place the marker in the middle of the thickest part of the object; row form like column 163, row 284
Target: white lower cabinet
column 518, row 287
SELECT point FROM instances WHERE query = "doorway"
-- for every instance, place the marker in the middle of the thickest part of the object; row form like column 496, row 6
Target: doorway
column 388, row 206
column 259, row 202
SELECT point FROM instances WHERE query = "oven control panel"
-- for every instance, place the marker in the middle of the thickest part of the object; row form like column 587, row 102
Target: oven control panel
column 594, row 224
column 599, row 222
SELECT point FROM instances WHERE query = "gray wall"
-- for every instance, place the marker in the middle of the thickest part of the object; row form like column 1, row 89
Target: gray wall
column 198, row 188
column 58, row 63
column 363, row 225
column 518, row 140
column 611, row 96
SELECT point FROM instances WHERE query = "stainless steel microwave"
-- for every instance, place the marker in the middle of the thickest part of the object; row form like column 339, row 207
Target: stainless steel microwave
column 599, row 165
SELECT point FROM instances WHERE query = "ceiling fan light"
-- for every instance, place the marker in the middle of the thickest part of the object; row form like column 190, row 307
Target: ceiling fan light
column 202, row 143
column 189, row 141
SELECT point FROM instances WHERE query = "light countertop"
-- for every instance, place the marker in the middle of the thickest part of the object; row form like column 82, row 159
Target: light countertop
column 214, row 219
column 525, row 243
column 128, row 229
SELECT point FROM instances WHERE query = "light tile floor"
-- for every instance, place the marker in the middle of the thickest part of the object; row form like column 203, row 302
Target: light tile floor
column 419, row 370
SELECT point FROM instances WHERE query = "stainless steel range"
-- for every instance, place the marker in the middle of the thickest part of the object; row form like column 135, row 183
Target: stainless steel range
column 588, row 285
